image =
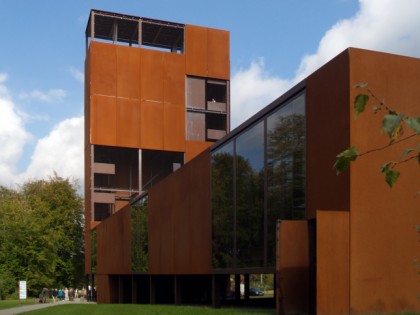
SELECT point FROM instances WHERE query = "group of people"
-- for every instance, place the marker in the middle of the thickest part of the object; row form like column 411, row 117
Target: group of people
column 67, row 294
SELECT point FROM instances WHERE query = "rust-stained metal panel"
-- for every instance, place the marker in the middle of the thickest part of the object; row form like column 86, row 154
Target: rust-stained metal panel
column 327, row 107
column 218, row 54
column 333, row 262
column 87, row 101
column 196, row 124
column 194, row 148
column 113, row 250
column 292, row 267
column 196, row 93
column 128, row 127
column 152, row 74
column 103, row 120
column 128, row 72
column 215, row 134
column 151, row 125
column 382, row 219
column 196, row 50
column 180, row 223
column 104, row 197
column 174, row 82
column 216, row 106
column 161, row 238
column 103, row 72
column 103, row 295
column 174, row 127
column 88, row 206
column 104, row 168
column 120, row 204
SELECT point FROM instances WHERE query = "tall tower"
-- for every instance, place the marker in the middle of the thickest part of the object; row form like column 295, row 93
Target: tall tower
column 156, row 95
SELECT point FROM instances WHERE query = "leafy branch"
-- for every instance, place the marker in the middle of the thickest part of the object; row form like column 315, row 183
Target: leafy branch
column 393, row 123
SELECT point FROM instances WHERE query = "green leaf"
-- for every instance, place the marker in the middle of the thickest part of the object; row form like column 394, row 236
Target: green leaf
column 360, row 85
column 391, row 124
column 386, row 166
column 406, row 152
column 376, row 109
column 414, row 124
column 360, row 102
column 391, row 176
column 345, row 158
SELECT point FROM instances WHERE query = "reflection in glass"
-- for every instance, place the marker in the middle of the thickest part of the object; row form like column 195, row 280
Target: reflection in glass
column 257, row 179
column 222, row 207
column 285, row 168
column 139, row 236
column 250, row 197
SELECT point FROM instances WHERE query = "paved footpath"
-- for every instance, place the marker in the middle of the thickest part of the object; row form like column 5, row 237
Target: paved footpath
column 32, row 307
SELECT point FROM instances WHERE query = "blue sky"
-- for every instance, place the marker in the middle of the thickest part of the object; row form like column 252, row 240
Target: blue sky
column 274, row 44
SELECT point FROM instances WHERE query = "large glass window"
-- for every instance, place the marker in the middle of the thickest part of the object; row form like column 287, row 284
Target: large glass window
column 139, row 236
column 257, row 179
column 250, row 197
column 285, row 168
column 222, row 207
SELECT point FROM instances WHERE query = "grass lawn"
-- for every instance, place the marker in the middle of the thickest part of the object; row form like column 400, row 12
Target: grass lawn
column 13, row 303
column 130, row 309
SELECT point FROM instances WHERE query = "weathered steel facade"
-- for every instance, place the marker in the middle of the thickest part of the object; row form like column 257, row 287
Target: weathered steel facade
column 263, row 199
column 144, row 119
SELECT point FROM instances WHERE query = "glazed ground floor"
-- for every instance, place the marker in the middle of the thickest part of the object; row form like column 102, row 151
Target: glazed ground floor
column 216, row 290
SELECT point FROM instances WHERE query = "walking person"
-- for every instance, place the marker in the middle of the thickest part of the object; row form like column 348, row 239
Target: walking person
column 54, row 294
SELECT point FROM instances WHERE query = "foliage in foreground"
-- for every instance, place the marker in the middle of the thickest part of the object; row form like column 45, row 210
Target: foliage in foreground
column 393, row 124
column 41, row 236
column 132, row 309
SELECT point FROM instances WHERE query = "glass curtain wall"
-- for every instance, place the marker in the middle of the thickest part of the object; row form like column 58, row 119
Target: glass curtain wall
column 139, row 236
column 257, row 178
column 222, row 165
column 285, row 168
column 250, row 197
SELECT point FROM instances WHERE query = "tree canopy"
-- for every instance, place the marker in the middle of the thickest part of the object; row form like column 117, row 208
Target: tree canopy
column 41, row 235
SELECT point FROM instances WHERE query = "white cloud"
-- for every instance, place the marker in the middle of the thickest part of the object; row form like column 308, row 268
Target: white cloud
column 51, row 96
column 252, row 89
column 13, row 135
column 60, row 152
column 3, row 77
column 383, row 25
column 77, row 74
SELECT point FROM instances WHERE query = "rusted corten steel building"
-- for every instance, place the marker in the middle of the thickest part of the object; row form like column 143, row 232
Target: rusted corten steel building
column 156, row 95
column 267, row 200
column 263, row 199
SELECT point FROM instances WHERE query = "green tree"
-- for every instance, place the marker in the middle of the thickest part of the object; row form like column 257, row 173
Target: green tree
column 42, row 234
column 393, row 124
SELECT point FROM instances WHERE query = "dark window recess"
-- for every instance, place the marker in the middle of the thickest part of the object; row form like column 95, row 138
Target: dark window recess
column 135, row 31
column 125, row 163
column 157, row 165
column 115, row 177
column 216, row 126
column 216, row 91
column 102, row 211
column 207, row 109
